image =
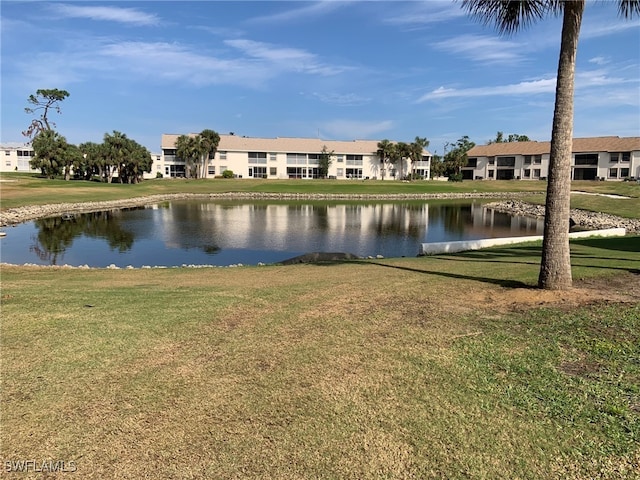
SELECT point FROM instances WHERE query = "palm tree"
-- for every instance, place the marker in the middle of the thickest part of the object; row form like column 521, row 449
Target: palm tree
column 385, row 147
column 510, row 16
column 187, row 149
column 417, row 148
column 208, row 144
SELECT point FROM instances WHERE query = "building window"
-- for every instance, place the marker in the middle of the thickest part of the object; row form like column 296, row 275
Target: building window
column 506, row 161
column 7, row 152
column 211, row 170
column 492, row 161
column 354, row 160
column 472, row 162
column 166, row 170
column 624, row 172
column 527, row 173
column 614, row 158
column 223, row 155
column 258, row 157
column 354, row 172
column 340, row 172
column 527, row 159
column 296, row 158
column 490, row 173
column 169, row 154
column 613, row 173
column 258, row 172
column 25, row 153
column 273, row 157
column 537, row 159
column 339, row 158
column 536, row 173
column 586, row 159
column 626, row 156
column 273, row 171
column 313, row 158
column 8, row 162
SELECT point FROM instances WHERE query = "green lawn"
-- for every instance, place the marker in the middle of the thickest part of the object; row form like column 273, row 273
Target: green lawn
column 450, row 366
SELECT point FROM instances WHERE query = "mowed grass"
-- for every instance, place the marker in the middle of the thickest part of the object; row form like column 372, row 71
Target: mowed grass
column 450, row 366
column 19, row 189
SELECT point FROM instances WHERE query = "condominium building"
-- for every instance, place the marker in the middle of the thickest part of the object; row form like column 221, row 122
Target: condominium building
column 16, row 157
column 594, row 158
column 293, row 158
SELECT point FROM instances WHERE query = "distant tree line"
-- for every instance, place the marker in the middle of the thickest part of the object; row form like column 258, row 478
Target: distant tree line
column 117, row 155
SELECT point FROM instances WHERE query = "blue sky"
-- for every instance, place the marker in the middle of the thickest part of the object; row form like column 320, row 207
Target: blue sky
column 337, row 70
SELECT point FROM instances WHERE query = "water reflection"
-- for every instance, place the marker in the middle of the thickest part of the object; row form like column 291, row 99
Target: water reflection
column 222, row 233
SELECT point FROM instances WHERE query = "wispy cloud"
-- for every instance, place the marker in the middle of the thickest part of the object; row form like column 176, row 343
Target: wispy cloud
column 356, row 129
column 593, row 78
column 482, row 48
column 312, row 10
column 415, row 15
column 112, row 14
column 342, row 100
column 290, row 59
column 599, row 60
column 598, row 29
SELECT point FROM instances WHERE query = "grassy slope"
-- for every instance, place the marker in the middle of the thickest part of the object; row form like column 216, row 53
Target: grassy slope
column 362, row 370
column 293, row 372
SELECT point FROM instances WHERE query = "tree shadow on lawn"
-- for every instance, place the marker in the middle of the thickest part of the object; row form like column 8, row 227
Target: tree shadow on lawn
column 624, row 244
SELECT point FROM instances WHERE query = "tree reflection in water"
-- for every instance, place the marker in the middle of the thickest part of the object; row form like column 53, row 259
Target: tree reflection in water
column 57, row 234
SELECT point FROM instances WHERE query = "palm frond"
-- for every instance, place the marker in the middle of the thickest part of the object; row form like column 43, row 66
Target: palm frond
column 510, row 16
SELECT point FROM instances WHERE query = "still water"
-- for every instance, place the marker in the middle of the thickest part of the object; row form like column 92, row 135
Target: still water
column 194, row 232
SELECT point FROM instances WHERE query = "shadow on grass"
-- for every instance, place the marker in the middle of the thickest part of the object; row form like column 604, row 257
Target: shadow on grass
column 624, row 244
column 495, row 281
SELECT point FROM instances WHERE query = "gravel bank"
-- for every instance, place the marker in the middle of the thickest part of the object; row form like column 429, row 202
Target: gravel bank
column 582, row 218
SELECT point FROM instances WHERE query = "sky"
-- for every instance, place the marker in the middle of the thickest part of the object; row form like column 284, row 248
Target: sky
column 329, row 69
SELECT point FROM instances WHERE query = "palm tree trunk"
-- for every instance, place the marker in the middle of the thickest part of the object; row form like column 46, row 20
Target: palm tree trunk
column 555, row 265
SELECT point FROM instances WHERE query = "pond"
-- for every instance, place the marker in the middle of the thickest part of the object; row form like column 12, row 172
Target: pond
column 195, row 232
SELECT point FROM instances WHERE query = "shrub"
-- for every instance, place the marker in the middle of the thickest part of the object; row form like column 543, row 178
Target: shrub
column 227, row 174
column 158, row 175
column 456, row 177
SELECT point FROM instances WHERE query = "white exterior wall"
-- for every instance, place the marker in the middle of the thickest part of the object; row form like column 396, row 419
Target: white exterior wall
column 10, row 161
column 341, row 168
column 606, row 168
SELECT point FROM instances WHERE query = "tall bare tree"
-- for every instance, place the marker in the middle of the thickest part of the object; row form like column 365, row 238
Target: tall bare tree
column 509, row 16
column 43, row 101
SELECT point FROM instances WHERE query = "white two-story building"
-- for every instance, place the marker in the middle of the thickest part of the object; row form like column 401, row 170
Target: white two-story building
column 292, row 158
column 594, row 158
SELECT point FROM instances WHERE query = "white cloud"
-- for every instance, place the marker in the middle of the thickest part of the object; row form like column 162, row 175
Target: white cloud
column 342, row 100
column 599, row 60
column 482, row 48
column 309, row 10
column 415, row 15
column 290, row 59
column 599, row 29
column 356, row 129
column 584, row 80
column 544, row 85
column 112, row 14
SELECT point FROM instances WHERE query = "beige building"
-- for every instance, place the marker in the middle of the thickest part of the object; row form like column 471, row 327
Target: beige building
column 594, row 158
column 292, row 158
column 16, row 157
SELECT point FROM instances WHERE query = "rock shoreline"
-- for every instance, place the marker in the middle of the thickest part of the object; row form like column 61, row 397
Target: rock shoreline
column 581, row 218
column 13, row 216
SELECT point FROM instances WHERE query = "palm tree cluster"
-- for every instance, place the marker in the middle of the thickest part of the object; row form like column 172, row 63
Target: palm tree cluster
column 397, row 153
column 196, row 151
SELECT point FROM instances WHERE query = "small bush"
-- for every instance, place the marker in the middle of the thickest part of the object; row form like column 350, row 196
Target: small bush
column 227, row 174
column 456, row 177
column 158, row 175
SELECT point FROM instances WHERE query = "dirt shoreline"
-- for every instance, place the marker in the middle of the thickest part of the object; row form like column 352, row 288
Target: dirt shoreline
column 582, row 218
